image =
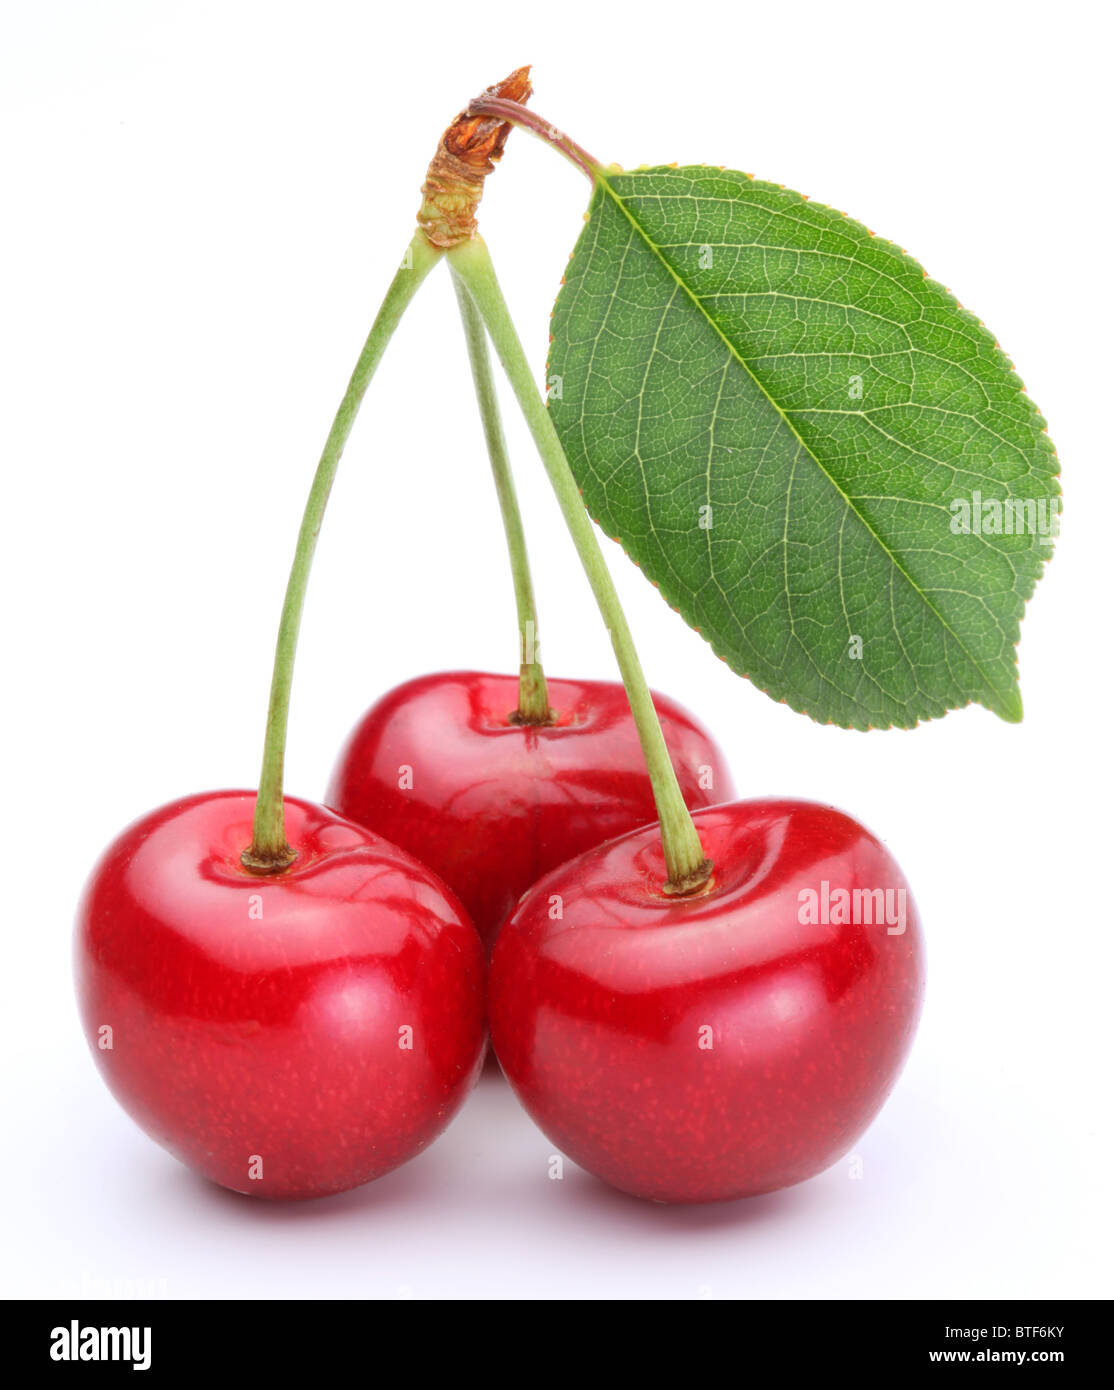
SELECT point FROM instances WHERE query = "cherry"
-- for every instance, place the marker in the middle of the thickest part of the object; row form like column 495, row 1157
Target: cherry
column 693, row 1049
column 290, row 1035
column 490, row 804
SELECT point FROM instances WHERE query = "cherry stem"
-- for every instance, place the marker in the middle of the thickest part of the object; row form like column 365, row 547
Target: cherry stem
column 686, row 864
column 525, row 119
column 269, row 851
column 533, row 694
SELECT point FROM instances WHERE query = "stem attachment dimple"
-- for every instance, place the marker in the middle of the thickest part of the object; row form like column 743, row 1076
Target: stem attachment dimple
column 533, row 693
column 687, row 866
column 533, row 696
column 269, row 852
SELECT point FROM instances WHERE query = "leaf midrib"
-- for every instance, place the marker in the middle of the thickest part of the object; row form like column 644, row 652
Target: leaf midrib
column 603, row 182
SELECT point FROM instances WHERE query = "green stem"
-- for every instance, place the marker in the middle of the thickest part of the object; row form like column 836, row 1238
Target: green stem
column 269, row 852
column 686, row 864
column 533, row 694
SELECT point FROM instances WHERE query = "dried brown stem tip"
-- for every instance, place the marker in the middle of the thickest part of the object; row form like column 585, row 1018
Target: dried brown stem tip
column 467, row 153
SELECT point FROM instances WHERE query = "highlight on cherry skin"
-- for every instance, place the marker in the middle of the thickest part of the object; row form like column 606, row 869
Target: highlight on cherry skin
column 695, row 1049
column 440, row 766
column 286, row 1036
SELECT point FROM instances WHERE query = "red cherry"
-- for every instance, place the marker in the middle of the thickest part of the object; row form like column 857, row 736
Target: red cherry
column 256, row 1026
column 440, row 766
column 719, row 1046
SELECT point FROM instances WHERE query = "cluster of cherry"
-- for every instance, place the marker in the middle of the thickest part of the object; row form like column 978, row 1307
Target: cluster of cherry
column 295, row 998
column 298, row 1033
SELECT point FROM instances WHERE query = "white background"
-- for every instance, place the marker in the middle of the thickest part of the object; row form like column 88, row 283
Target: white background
column 202, row 205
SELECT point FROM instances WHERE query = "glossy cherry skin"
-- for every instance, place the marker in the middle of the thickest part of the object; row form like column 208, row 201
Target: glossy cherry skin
column 705, row 1048
column 258, row 1024
column 439, row 766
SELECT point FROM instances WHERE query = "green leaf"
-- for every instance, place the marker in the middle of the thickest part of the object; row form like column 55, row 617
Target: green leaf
column 782, row 420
